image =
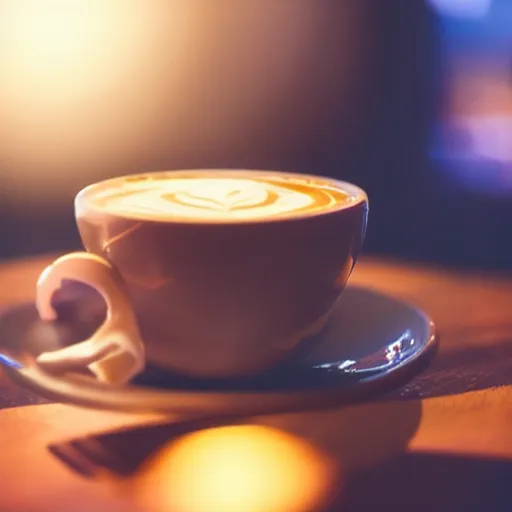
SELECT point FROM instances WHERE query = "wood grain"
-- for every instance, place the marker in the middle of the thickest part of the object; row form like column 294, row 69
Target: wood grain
column 473, row 315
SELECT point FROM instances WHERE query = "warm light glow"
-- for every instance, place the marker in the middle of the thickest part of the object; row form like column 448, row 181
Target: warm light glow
column 79, row 81
column 97, row 88
column 237, row 469
column 55, row 42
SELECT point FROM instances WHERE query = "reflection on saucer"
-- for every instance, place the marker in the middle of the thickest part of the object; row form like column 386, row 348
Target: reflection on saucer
column 245, row 468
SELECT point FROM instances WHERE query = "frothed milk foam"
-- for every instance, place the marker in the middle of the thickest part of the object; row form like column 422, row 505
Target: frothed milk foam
column 210, row 197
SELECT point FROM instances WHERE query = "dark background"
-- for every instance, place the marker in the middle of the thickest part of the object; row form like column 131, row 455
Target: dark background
column 410, row 99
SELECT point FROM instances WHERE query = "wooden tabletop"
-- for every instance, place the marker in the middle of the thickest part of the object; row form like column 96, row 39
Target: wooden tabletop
column 449, row 447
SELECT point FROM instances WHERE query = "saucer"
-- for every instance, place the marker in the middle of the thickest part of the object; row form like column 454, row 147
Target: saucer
column 372, row 344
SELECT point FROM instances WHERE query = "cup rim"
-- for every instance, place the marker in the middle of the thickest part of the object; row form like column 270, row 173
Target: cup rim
column 356, row 194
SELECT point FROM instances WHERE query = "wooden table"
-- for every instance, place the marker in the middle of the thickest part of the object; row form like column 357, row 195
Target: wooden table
column 448, row 447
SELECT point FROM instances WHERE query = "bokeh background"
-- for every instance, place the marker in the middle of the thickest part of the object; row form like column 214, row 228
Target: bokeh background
column 411, row 99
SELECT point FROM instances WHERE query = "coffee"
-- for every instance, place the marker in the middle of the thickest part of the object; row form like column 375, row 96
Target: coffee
column 207, row 273
column 229, row 196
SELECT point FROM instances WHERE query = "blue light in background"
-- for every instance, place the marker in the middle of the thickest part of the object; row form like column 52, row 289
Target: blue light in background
column 462, row 8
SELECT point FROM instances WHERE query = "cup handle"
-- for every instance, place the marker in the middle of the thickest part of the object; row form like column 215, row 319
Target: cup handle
column 115, row 352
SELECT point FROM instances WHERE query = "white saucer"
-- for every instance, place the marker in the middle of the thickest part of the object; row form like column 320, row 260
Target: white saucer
column 373, row 343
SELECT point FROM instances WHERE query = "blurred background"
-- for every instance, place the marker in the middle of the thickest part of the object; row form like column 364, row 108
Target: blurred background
column 410, row 99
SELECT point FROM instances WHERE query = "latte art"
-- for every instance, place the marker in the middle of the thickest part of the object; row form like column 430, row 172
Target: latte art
column 216, row 198
column 226, row 195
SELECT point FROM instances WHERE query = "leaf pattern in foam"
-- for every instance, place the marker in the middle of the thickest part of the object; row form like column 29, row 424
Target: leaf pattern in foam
column 222, row 195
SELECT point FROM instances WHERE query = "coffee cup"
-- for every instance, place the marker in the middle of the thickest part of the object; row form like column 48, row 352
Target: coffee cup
column 206, row 273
